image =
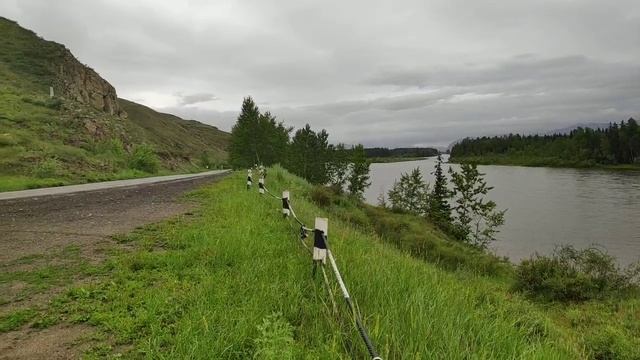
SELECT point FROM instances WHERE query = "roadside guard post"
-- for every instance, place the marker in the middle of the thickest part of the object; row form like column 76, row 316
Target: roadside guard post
column 285, row 203
column 249, row 180
column 261, row 186
column 320, row 240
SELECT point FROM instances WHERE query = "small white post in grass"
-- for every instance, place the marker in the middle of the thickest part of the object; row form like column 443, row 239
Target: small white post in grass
column 285, row 203
column 261, row 186
column 320, row 239
column 51, row 91
column 249, row 180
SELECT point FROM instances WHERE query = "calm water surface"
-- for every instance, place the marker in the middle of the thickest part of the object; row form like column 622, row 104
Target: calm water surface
column 549, row 206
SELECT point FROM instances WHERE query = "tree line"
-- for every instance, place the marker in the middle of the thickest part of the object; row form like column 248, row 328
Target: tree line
column 400, row 152
column 616, row 144
column 259, row 139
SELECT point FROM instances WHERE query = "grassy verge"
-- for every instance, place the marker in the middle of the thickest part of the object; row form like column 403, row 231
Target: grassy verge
column 540, row 162
column 233, row 282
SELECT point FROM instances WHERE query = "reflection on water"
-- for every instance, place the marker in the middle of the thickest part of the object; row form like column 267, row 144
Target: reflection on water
column 549, row 206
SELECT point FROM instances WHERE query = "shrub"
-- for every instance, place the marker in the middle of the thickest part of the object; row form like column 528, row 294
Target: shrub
column 55, row 104
column 144, row 159
column 573, row 275
column 113, row 147
column 322, row 196
column 47, row 168
column 611, row 343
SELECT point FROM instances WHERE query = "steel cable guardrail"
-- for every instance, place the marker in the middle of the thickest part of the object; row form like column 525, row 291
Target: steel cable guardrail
column 320, row 252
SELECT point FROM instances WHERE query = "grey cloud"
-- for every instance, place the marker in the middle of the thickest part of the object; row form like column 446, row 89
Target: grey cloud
column 382, row 73
column 191, row 99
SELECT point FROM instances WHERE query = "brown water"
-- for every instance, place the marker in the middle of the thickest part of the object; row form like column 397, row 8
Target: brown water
column 549, row 206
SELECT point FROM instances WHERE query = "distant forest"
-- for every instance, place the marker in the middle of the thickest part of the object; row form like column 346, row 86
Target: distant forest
column 379, row 152
column 616, row 145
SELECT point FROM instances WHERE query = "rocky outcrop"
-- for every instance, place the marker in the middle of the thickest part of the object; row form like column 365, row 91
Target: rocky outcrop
column 78, row 82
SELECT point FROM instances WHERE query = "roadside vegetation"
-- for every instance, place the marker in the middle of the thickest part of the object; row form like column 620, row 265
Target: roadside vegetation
column 232, row 281
column 616, row 147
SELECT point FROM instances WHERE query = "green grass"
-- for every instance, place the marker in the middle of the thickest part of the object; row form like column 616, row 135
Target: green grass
column 15, row 319
column 233, row 282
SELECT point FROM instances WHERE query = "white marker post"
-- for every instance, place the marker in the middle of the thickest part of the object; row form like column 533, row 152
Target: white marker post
column 51, row 91
column 320, row 239
column 261, row 186
column 249, row 180
column 285, row 203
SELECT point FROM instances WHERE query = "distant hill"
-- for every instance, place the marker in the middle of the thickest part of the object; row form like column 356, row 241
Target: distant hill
column 84, row 132
column 400, row 152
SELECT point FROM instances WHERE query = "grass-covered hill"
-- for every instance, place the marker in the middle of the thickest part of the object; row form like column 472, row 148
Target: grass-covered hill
column 84, row 132
column 232, row 281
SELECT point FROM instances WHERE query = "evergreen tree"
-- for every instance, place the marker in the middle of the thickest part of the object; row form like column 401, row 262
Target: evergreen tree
column 440, row 210
column 359, row 174
column 476, row 220
column 308, row 155
column 242, row 148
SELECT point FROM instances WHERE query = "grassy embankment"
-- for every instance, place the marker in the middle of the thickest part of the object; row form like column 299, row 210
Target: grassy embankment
column 536, row 161
column 56, row 141
column 232, row 282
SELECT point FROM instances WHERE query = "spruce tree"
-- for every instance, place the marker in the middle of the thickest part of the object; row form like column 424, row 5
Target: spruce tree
column 243, row 148
column 440, row 210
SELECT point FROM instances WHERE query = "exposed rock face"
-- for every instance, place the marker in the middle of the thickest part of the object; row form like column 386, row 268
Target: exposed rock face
column 81, row 83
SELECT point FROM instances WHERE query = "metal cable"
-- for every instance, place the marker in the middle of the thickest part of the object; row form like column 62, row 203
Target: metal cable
column 360, row 327
column 269, row 192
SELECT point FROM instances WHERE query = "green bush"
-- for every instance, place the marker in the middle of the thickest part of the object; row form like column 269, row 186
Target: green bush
column 610, row 344
column 144, row 159
column 113, row 147
column 322, row 196
column 47, row 168
column 573, row 275
column 55, row 103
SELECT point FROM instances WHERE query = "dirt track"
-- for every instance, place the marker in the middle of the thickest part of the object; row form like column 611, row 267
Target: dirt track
column 36, row 225
column 87, row 220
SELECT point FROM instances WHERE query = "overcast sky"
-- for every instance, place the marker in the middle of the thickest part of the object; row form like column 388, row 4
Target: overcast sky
column 392, row 73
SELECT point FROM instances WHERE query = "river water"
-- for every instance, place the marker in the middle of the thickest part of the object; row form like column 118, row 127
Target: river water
column 549, row 206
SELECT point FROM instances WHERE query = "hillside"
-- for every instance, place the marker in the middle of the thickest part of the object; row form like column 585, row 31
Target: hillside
column 84, row 132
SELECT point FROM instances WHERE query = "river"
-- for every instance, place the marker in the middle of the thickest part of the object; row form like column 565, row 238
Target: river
column 549, row 206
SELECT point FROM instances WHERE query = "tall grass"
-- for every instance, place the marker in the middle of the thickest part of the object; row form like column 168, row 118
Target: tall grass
column 233, row 282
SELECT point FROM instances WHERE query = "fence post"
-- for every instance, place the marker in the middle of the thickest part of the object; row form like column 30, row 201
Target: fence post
column 249, row 180
column 320, row 239
column 285, row 203
column 261, row 185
